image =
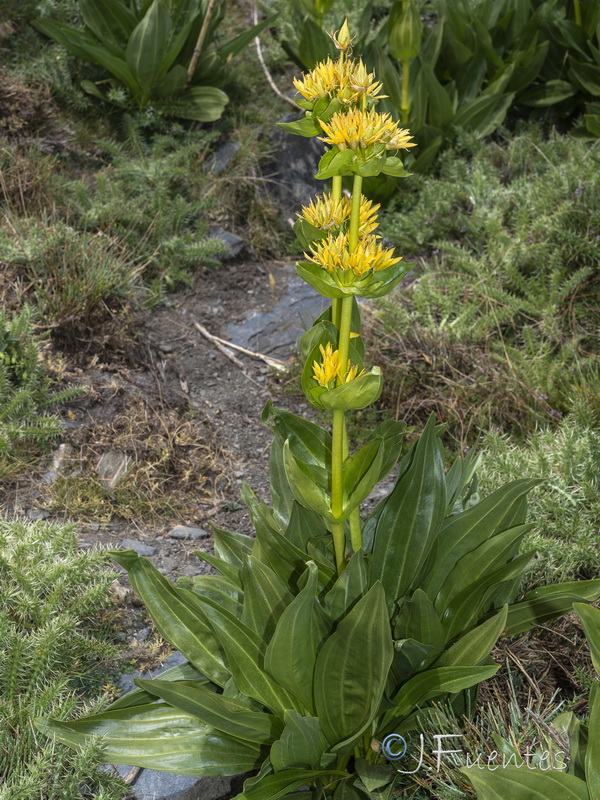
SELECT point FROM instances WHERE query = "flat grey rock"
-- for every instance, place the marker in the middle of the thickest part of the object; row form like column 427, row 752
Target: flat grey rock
column 140, row 548
column 187, row 532
column 234, row 244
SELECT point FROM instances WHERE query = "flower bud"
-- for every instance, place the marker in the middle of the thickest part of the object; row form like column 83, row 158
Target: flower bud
column 342, row 39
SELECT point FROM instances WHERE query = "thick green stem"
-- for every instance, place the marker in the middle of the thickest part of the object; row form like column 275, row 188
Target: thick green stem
column 577, row 7
column 355, row 213
column 405, row 94
column 336, row 194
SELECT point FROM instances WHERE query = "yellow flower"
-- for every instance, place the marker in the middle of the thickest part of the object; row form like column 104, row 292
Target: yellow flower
column 356, row 128
column 342, row 39
column 328, row 215
column 322, row 81
column 334, row 254
column 364, row 82
column 326, row 373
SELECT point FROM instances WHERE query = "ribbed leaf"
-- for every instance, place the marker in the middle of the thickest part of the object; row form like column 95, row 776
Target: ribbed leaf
column 482, row 115
column 301, row 745
column 513, row 783
column 110, row 20
column 590, row 619
column 147, row 43
column 201, row 103
column 352, row 668
column 548, row 602
column 462, row 533
column 348, row 588
column 177, row 620
column 158, row 737
column 223, row 713
column 265, row 598
column 275, row 786
column 221, row 589
column 592, row 756
column 242, row 40
column 182, row 672
column 409, row 521
column 418, row 620
column 548, row 94
column 475, row 646
column 292, row 652
column 245, row 655
column 435, row 683
column 231, row 546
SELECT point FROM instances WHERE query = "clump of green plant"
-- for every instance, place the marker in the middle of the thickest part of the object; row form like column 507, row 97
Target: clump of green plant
column 327, row 632
column 160, row 54
column 75, row 276
column 499, row 323
column 55, row 656
column 152, row 200
column 565, row 506
column 27, row 394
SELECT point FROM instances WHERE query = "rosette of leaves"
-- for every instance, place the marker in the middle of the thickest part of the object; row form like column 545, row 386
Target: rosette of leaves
column 581, row 780
column 296, row 672
column 149, row 49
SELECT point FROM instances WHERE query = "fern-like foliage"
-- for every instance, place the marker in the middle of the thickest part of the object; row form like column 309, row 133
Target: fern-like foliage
column 26, row 393
column 49, row 596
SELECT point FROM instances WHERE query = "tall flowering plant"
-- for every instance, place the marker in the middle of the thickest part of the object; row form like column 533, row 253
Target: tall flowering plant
column 321, row 636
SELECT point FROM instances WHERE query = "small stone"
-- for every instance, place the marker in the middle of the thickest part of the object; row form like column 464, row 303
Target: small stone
column 170, row 564
column 234, row 244
column 112, row 467
column 142, row 634
column 165, row 347
column 186, row 532
column 140, row 548
column 220, row 161
column 239, row 474
column 36, row 513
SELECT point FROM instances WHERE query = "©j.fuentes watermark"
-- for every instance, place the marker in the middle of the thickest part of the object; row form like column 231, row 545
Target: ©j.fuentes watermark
column 394, row 747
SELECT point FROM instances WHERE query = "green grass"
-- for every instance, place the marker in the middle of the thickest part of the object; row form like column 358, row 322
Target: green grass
column 54, row 659
column 500, row 329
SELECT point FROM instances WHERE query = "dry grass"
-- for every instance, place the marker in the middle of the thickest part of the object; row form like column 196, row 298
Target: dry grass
column 174, row 464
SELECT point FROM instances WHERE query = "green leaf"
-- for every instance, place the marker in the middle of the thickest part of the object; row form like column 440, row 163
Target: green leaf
column 182, row 672
column 586, row 76
column 223, row 713
column 301, row 745
column 110, row 20
column 307, row 233
column 309, row 442
column 242, row 40
column 418, row 620
column 307, row 126
column 177, row 620
column 265, row 598
column 462, row 533
column 229, row 571
column 356, row 394
column 275, row 786
column 314, row 45
column 352, row 668
column 476, row 645
column 350, row 586
column 221, row 589
column 159, row 737
column 549, row 94
column 484, row 114
column 291, row 654
column 548, row 602
column 513, row 783
column 147, row 44
column 409, row 520
column 232, row 546
column 334, row 162
column 590, row 619
column 592, row 756
column 305, row 489
column 441, row 109
column 434, row 683
column 245, row 654
column 201, row 103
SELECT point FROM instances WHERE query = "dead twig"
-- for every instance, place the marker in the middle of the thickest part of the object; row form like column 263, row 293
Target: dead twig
column 265, row 69
column 200, row 42
column 275, row 363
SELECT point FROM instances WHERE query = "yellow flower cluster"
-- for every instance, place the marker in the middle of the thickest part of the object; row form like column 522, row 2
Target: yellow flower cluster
column 334, row 254
column 329, row 215
column 329, row 370
column 355, row 128
column 347, row 80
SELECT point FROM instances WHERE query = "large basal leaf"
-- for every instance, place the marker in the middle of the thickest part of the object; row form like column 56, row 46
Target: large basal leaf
column 301, row 745
column 418, row 620
column 409, row 521
column 292, row 652
column 177, row 620
column 111, row 21
column 484, row 114
column 592, row 756
column 513, row 783
column 147, row 44
column 476, row 645
column 550, row 93
column 242, row 40
column 158, row 737
column 590, row 619
column 201, row 103
column 434, row 683
column 462, row 533
column 227, row 715
column 350, row 586
column 352, row 668
column 266, row 597
column 182, row 672
column 231, row 546
column 548, row 602
column 245, row 655
column 272, row 787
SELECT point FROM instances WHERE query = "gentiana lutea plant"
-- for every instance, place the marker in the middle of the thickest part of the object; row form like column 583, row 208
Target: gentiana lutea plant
column 322, row 634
